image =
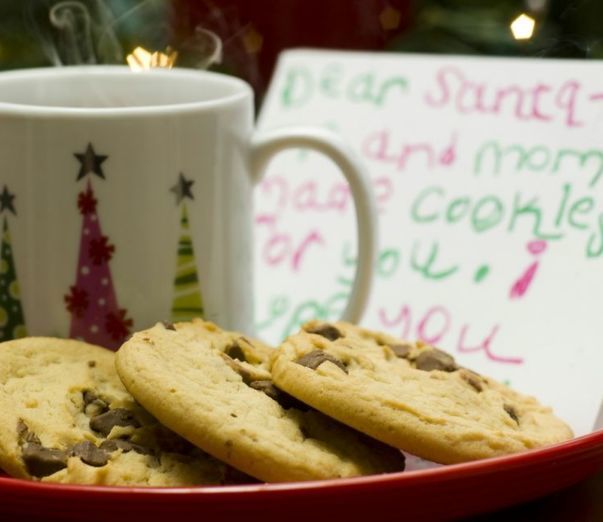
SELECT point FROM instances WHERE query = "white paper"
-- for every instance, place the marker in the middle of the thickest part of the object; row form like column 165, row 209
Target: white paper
column 489, row 178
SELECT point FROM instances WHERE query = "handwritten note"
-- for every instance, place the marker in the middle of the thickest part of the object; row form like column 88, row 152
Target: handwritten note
column 488, row 174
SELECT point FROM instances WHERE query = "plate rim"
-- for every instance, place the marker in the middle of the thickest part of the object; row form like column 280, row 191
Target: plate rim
column 507, row 462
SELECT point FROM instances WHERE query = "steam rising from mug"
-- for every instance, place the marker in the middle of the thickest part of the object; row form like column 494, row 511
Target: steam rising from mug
column 85, row 33
column 79, row 34
column 206, row 47
column 73, row 24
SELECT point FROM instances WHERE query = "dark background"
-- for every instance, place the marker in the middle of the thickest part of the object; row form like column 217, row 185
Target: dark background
column 253, row 32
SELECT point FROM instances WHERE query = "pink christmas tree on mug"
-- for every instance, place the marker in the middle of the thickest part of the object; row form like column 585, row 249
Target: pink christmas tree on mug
column 95, row 314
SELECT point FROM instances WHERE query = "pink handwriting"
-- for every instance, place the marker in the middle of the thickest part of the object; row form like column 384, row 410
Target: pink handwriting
column 436, row 325
column 312, row 237
column 520, row 287
column 275, row 188
column 536, row 102
column 281, row 248
column 378, row 146
column 384, row 190
column 280, row 194
column 484, row 346
column 536, row 247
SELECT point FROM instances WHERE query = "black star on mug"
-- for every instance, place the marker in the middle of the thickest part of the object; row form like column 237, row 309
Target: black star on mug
column 7, row 201
column 91, row 162
column 182, row 189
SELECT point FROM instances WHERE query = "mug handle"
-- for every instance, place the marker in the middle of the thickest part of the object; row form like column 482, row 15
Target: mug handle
column 265, row 144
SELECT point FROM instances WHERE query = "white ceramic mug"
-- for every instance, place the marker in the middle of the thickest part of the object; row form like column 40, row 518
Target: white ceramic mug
column 126, row 199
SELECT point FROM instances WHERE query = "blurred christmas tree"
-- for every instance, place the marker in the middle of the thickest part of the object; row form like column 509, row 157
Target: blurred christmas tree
column 253, row 32
column 562, row 28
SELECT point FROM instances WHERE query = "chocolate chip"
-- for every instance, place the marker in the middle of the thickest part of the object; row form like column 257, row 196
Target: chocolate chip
column 169, row 442
column 235, row 352
column 316, row 357
column 245, row 375
column 105, row 422
column 168, row 326
column 112, row 445
column 326, row 330
column 285, row 400
column 90, row 397
column 89, row 454
column 401, row 350
column 22, row 429
column 512, row 412
column 471, row 378
column 267, row 387
column 93, row 405
column 435, row 359
column 91, row 364
column 41, row 461
column 24, row 435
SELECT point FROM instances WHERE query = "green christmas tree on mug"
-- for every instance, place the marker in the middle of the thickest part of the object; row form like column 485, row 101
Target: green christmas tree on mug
column 12, row 323
column 187, row 302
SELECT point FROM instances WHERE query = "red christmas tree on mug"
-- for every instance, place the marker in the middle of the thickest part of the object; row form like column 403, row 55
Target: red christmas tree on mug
column 95, row 315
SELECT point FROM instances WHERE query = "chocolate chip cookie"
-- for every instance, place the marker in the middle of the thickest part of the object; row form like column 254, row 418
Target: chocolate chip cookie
column 410, row 395
column 214, row 388
column 66, row 417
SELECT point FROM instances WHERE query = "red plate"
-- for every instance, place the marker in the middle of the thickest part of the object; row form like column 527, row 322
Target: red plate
column 444, row 492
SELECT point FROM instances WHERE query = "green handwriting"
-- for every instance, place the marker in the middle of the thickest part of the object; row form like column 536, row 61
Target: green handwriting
column 329, row 310
column 481, row 273
column 495, row 157
column 569, row 212
column 426, row 267
column 280, row 308
column 594, row 247
column 301, row 85
column 388, row 263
